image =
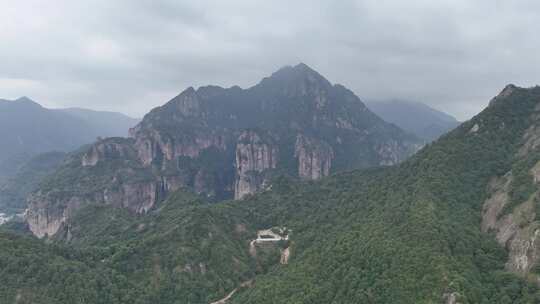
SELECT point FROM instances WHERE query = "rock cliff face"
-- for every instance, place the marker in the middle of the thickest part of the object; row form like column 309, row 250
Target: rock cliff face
column 228, row 142
column 105, row 150
column 516, row 230
column 511, row 210
column 45, row 218
column 49, row 212
column 314, row 157
column 225, row 143
column 254, row 156
column 107, row 173
column 389, row 154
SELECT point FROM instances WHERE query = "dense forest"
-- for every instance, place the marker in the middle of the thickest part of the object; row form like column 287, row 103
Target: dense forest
column 403, row 234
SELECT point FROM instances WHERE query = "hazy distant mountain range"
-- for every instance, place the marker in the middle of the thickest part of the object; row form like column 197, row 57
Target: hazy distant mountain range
column 225, row 143
column 28, row 175
column 128, row 220
column 27, row 129
column 415, row 117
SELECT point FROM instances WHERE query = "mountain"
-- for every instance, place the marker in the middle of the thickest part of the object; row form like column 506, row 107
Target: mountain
column 224, row 143
column 27, row 129
column 106, row 123
column 14, row 190
column 415, row 117
column 455, row 223
column 10, row 166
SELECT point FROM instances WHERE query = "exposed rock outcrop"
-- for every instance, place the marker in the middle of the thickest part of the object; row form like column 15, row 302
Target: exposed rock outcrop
column 314, row 157
column 45, row 218
column 106, row 150
column 511, row 210
column 285, row 255
column 531, row 139
column 516, row 229
column 389, row 153
column 225, row 143
column 250, row 131
column 507, row 91
column 188, row 103
column 451, row 298
column 109, row 173
column 155, row 148
column 49, row 212
column 253, row 157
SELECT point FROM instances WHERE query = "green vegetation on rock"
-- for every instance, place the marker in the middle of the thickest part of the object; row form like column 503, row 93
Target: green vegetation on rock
column 404, row 234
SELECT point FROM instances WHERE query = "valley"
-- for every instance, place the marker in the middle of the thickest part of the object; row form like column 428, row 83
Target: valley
column 269, row 152
column 419, row 231
column 223, row 144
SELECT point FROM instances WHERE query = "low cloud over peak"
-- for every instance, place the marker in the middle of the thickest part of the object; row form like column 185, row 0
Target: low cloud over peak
column 130, row 56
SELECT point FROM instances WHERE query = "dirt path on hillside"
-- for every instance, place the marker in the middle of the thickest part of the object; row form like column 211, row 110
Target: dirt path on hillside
column 229, row 296
column 285, row 254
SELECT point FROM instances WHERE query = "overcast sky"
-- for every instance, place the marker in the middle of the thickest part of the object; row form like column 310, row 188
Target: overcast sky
column 131, row 56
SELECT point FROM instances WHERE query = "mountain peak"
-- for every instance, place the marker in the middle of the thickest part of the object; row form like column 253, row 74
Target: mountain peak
column 508, row 90
column 25, row 101
column 23, row 98
column 299, row 69
column 505, row 93
column 304, row 68
column 300, row 76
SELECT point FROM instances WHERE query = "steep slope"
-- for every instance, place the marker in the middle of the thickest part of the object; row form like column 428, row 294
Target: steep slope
column 294, row 122
column 33, row 272
column 188, row 251
column 415, row 117
column 83, row 179
column 27, row 129
column 14, row 191
column 405, row 234
column 412, row 234
column 512, row 209
column 224, row 143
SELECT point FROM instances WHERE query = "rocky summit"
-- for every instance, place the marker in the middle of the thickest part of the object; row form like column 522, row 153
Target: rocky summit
column 458, row 222
column 224, row 143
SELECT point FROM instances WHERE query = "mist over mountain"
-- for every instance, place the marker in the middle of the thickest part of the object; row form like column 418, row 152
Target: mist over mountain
column 455, row 223
column 287, row 152
column 110, row 124
column 223, row 144
column 28, row 129
column 25, row 180
column 415, row 117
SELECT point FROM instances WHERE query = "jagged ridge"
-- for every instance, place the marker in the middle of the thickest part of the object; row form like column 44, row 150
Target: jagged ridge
column 225, row 143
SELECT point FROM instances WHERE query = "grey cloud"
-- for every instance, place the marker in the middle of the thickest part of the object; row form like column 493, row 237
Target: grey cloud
column 130, row 56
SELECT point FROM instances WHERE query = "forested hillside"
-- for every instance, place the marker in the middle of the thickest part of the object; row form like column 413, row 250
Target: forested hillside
column 404, row 234
column 224, row 143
